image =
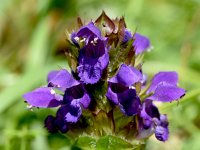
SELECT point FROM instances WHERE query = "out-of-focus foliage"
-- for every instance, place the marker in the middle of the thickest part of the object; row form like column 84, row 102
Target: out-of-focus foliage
column 32, row 42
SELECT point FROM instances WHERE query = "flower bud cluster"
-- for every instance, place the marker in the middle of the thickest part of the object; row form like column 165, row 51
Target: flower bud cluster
column 106, row 91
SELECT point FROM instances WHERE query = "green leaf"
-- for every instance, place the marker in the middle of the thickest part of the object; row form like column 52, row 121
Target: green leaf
column 38, row 47
column 86, row 142
column 110, row 142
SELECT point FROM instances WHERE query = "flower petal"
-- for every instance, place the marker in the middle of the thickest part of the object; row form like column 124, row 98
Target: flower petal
column 164, row 121
column 90, row 30
column 93, row 50
column 127, row 36
column 93, row 59
column 166, row 93
column 161, row 133
column 127, row 76
column 71, row 112
column 168, row 77
column 148, row 113
column 89, row 73
column 113, row 90
column 91, row 70
column 143, row 131
column 73, row 118
column 51, row 75
column 79, row 93
column 141, row 43
column 49, row 123
column 62, row 80
column 129, row 102
column 151, row 109
column 60, row 121
column 85, row 100
column 43, row 97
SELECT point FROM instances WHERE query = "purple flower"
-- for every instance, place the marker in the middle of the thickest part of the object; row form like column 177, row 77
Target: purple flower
column 161, row 130
column 86, row 34
column 150, row 121
column 164, row 87
column 65, row 116
column 120, row 91
column 93, row 56
column 141, row 43
column 55, row 124
column 77, row 94
column 70, row 104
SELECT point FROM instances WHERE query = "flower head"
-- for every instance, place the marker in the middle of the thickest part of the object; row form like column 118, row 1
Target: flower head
column 120, row 91
column 107, row 91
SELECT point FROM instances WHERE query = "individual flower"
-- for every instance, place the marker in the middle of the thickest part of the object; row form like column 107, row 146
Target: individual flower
column 140, row 43
column 70, row 104
column 93, row 57
column 151, row 121
column 121, row 92
column 164, row 87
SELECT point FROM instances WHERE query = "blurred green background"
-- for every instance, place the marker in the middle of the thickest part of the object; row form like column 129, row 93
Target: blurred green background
column 32, row 42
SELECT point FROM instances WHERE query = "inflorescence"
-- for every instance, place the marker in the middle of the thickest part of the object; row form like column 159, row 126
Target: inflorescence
column 106, row 91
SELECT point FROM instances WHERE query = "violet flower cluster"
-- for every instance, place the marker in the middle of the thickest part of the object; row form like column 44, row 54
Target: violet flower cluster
column 106, row 76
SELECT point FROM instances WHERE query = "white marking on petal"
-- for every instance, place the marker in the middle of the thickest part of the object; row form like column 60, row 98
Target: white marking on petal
column 95, row 39
column 132, row 87
column 52, row 92
column 76, row 38
column 93, row 42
